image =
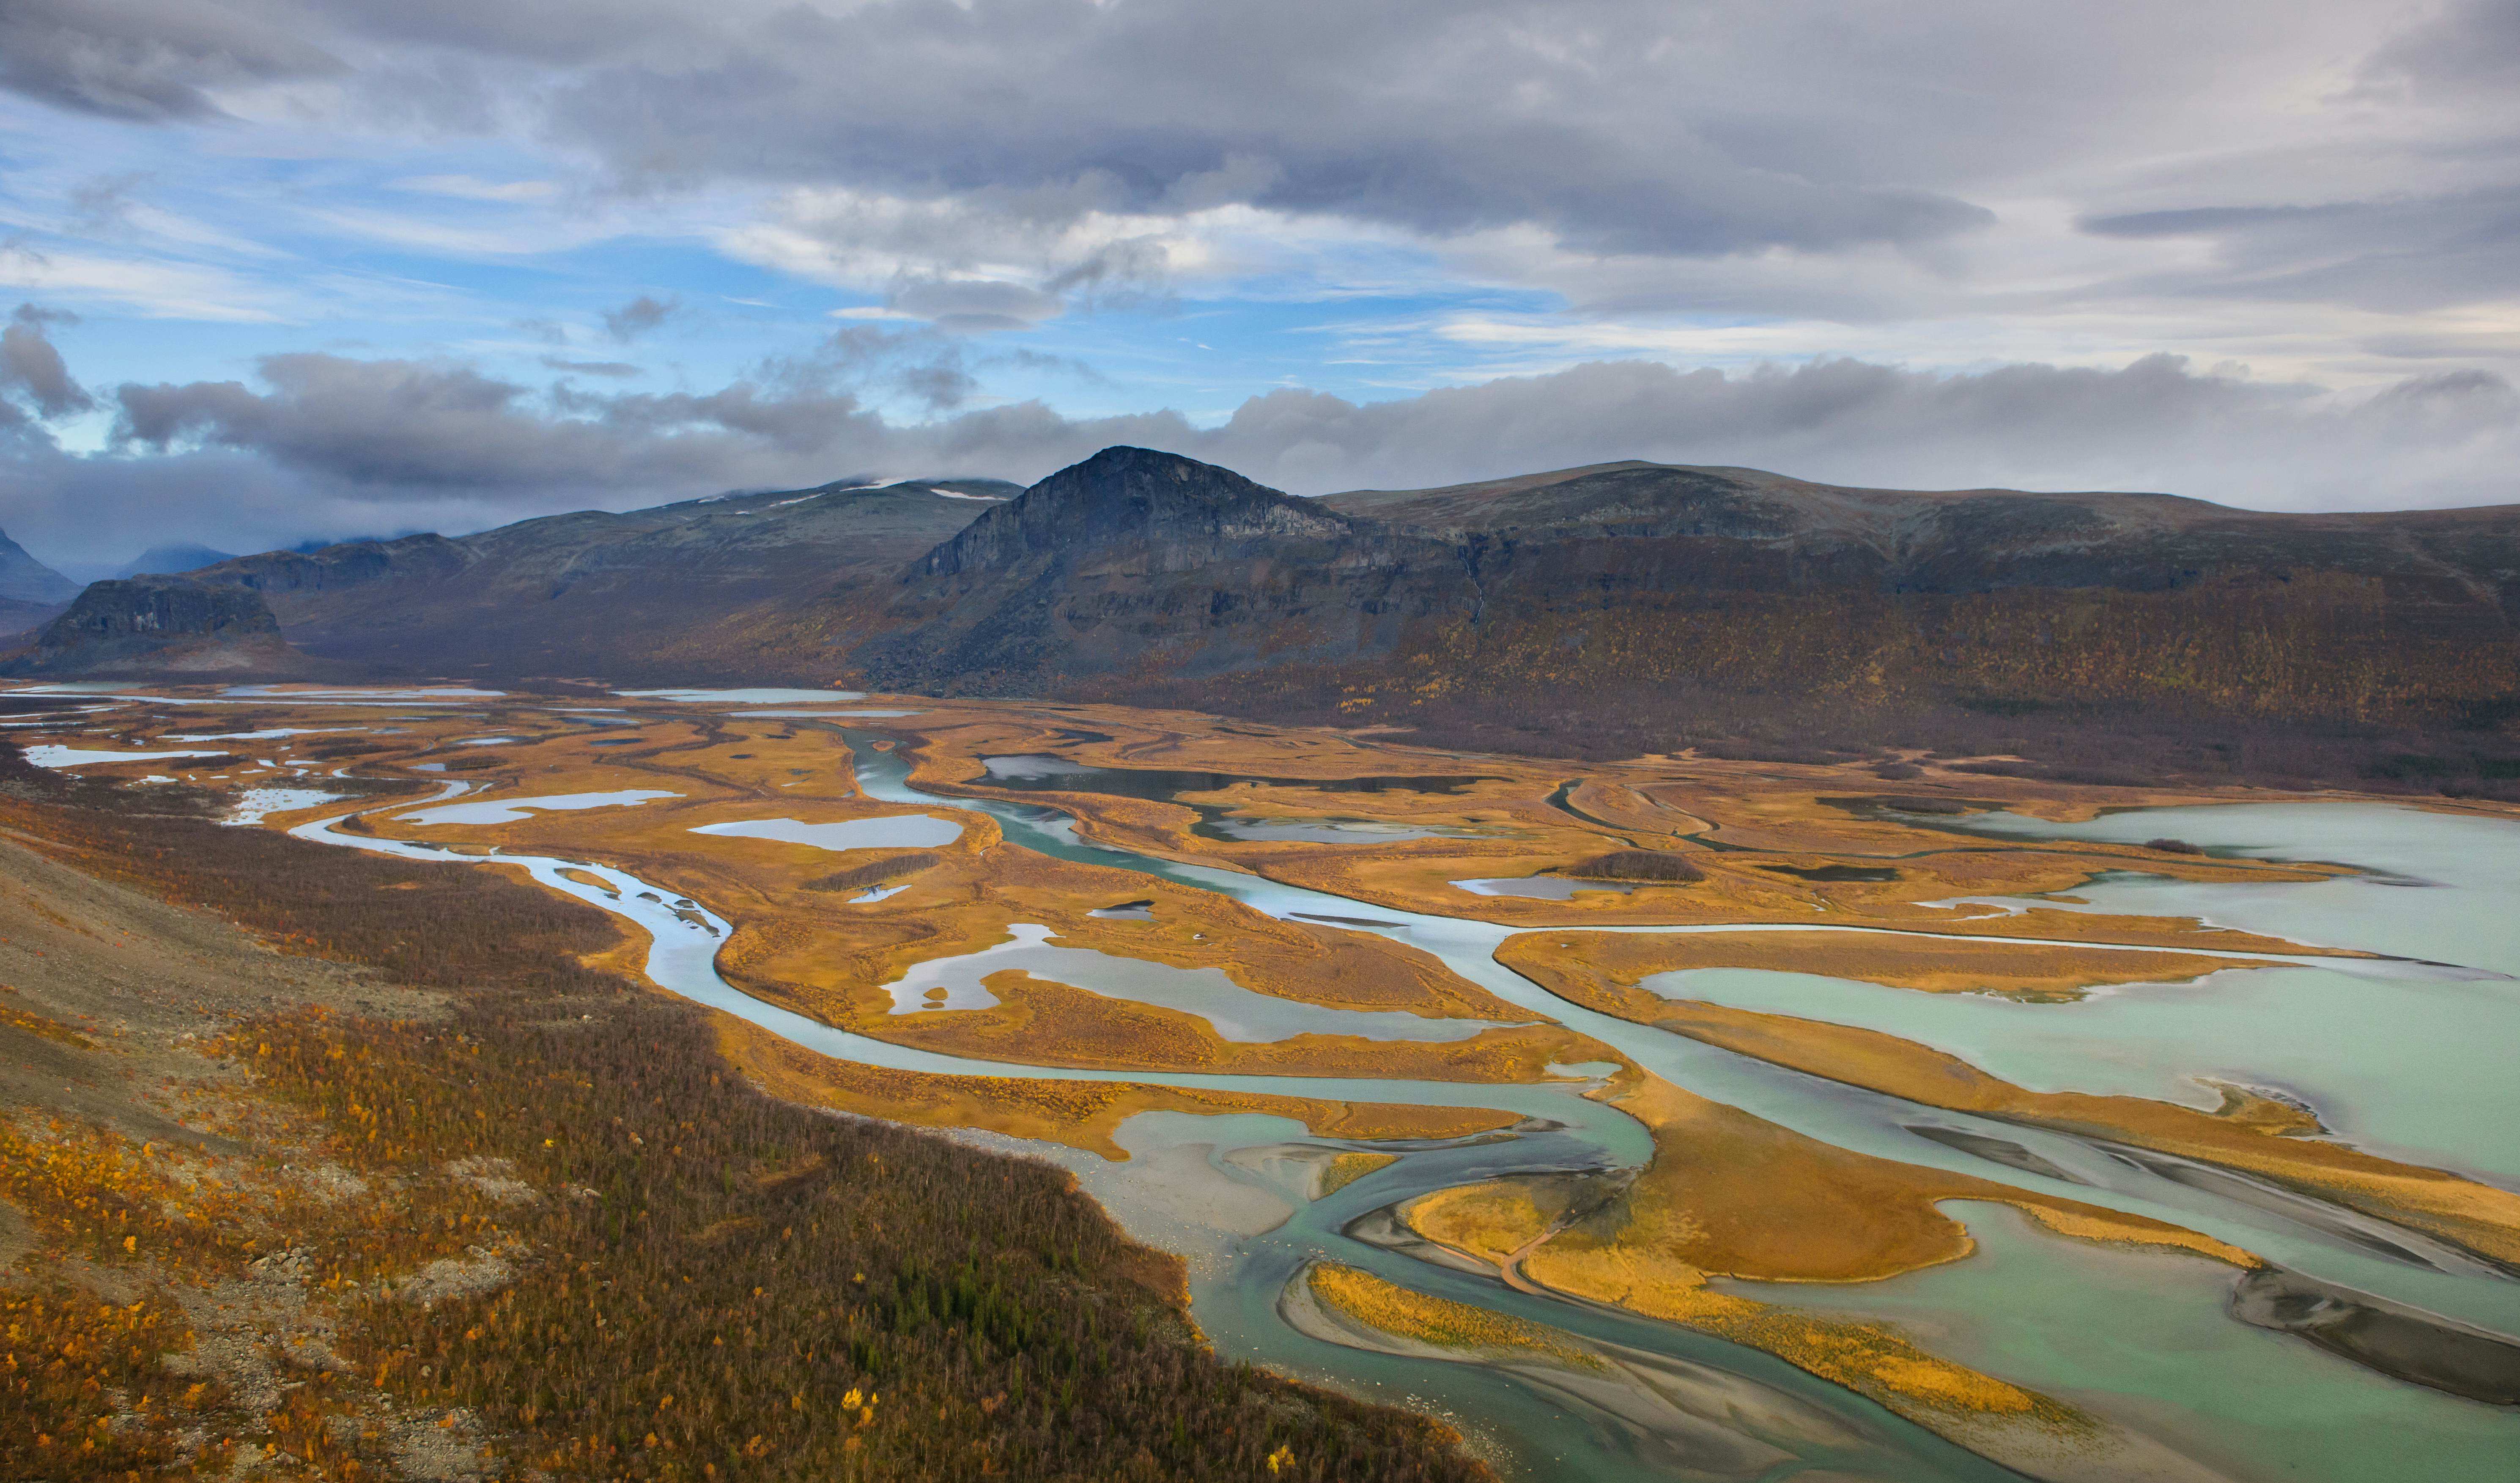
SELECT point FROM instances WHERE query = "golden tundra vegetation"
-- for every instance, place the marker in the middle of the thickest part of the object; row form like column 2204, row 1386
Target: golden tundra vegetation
column 325, row 1165
column 1772, row 845
column 2250, row 1133
column 1396, row 1310
column 1729, row 1195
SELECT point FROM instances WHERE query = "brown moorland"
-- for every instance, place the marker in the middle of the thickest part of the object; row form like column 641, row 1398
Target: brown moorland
column 491, row 1221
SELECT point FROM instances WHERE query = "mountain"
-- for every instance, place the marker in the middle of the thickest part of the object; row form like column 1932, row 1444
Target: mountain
column 1630, row 606
column 23, row 580
column 1613, row 608
column 1127, row 560
column 659, row 593
column 161, row 625
column 170, row 559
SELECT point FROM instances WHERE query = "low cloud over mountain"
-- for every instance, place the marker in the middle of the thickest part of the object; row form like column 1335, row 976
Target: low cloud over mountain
column 331, row 445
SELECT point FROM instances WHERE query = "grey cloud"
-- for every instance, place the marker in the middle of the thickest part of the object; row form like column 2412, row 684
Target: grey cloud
column 2153, row 424
column 103, row 204
column 32, row 366
column 1127, row 271
column 147, row 59
column 2392, row 255
column 330, row 445
column 617, row 369
column 1438, row 118
column 938, row 386
column 541, row 31
column 927, row 366
column 1619, row 125
column 974, row 306
column 420, row 427
column 1064, row 365
column 639, row 316
column 2473, row 43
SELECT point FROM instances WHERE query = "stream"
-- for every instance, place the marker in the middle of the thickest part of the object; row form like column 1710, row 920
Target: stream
column 2138, row 1337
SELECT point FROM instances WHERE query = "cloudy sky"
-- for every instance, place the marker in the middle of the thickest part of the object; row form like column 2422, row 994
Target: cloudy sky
column 297, row 269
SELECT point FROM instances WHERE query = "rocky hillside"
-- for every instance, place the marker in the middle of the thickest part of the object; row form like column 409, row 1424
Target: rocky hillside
column 655, row 593
column 1660, row 526
column 1625, row 603
column 1131, row 563
column 161, row 625
column 1619, row 608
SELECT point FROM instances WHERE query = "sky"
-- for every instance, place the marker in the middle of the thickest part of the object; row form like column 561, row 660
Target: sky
column 278, row 271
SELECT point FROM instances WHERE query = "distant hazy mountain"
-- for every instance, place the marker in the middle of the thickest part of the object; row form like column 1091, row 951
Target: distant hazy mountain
column 669, row 592
column 24, row 579
column 165, row 561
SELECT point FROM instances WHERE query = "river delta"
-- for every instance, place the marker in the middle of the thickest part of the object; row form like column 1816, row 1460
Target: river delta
column 1960, row 1128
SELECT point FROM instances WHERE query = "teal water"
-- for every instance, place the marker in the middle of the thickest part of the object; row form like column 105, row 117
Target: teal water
column 2444, row 886
column 2148, row 1347
column 2143, row 1332
column 2339, row 1042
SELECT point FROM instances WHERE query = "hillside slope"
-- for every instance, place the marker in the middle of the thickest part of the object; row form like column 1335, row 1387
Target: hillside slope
column 161, row 625
column 1135, row 563
column 595, row 593
column 23, row 580
column 1631, row 605
column 1613, row 609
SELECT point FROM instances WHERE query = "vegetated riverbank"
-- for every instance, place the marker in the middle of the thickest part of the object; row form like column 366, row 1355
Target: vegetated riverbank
column 1728, row 1194
column 2250, row 1133
column 534, row 1220
column 1823, row 852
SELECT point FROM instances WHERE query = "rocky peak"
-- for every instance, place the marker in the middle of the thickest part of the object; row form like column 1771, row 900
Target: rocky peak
column 27, row 580
column 160, row 622
column 1175, row 513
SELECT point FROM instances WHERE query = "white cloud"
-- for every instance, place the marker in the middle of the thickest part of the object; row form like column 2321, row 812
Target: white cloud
column 154, row 289
column 470, row 188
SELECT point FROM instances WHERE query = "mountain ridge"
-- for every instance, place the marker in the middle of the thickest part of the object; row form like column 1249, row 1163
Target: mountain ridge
column 594, row 592
column 24, row 579
column 1628, row 607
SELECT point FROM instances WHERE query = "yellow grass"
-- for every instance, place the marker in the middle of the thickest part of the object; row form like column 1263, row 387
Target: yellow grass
column 1351, row 1166
column 1396, row 1310
column 1082, row 1114
column 2247, row 1133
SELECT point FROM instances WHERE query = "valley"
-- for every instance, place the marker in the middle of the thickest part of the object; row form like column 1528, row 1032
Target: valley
column 1201, row 964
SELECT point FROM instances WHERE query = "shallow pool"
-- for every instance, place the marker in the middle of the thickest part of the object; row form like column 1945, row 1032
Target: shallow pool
column 896, row 830
column 509, row 810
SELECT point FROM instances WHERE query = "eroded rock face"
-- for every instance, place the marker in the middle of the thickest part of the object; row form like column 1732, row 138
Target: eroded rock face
column 159, row 623
column 1170, row 512
column 1136, row 557
column 1641, row 588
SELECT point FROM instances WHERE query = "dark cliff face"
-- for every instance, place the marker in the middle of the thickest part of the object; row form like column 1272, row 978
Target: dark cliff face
column 1167, row 513
column 1137, row 560
column 353, row 564
column 1551, row 604
column 1635, row 586
column 160, row 624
